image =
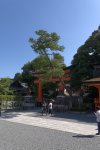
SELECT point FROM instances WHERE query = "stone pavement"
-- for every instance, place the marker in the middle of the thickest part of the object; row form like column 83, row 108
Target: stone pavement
column 54, row 122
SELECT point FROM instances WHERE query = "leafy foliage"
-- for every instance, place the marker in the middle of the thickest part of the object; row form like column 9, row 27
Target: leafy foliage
column 45, row 41
column 40, row 67
column 87, row 55
column 5, row 86
column 46, row 44
column 49, row 62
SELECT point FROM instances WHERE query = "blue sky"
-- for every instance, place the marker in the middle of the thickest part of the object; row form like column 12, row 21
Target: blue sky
column 72, row 20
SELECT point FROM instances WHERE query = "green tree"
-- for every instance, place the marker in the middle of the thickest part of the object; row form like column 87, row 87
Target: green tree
column 49, row 61
column 5, row 86
column 26, row 76
column 18, row 77
column 46, row 45
column 87, row 55
column 39, row 67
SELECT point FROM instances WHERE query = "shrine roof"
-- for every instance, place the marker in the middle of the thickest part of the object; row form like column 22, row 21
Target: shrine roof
column 93, row 80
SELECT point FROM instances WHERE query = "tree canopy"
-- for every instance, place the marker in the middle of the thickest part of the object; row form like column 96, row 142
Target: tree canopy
column 46, row 45
column 5, row 86
column 40, row 67
column 45, row 41
column 87, row 55
column 49, row 61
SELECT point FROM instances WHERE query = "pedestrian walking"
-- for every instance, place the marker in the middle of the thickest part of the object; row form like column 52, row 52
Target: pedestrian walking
column 97, row 113
column 50, row 107
column 44, row 108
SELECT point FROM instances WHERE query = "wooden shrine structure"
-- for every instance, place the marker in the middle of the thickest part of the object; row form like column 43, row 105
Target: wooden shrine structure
column 94, row 82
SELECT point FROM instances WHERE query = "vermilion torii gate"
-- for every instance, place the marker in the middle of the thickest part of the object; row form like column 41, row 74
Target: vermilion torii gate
column 39, row 82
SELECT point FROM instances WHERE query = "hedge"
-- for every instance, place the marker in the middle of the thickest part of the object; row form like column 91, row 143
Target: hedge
column 10, row 98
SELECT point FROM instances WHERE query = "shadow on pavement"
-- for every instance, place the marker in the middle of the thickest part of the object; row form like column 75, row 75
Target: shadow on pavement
column 83, row 136
column 66, row 116
column 69, row 116
column 80, row 117
column 9, row 115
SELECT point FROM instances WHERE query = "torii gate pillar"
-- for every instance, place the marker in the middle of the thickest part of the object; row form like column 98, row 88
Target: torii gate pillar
column 39, row 91
column 39, row 98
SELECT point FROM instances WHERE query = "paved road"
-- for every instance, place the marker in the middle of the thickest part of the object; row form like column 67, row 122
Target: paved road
column 22, row 131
